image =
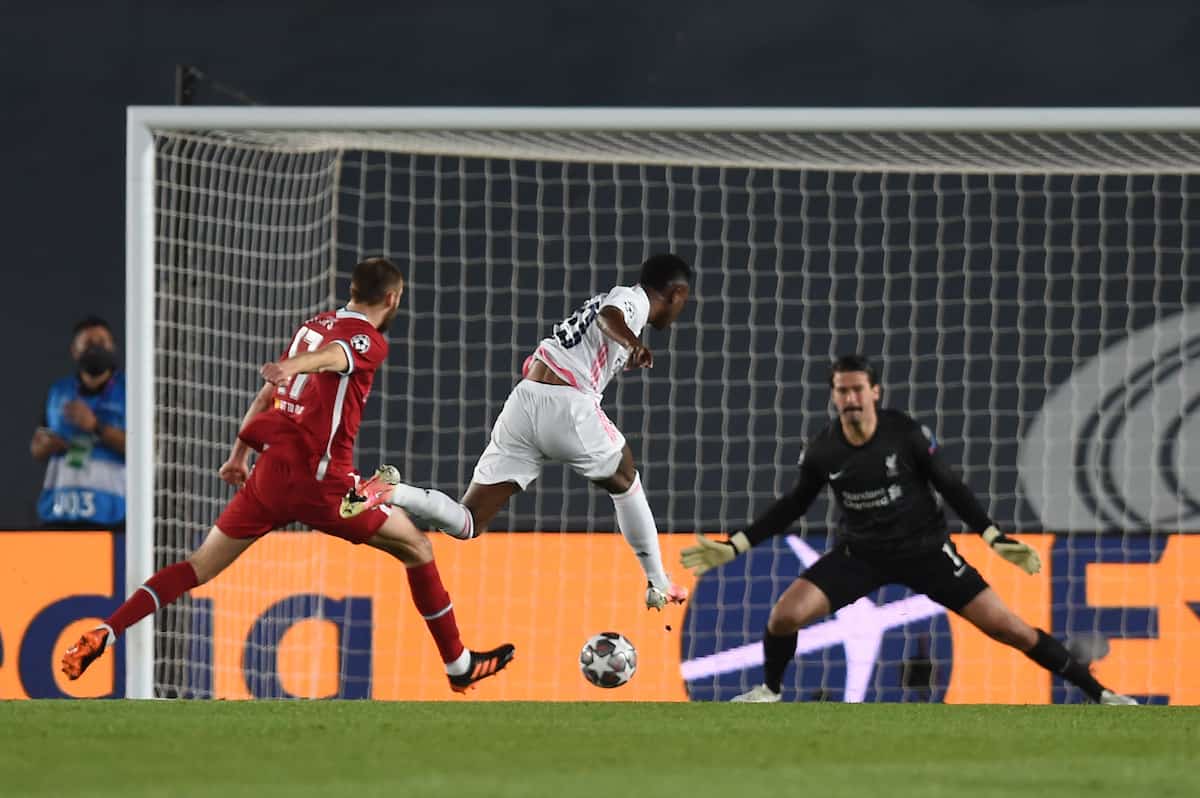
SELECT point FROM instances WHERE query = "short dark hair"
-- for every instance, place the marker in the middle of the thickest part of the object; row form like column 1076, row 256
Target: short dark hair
column 372, row 279
column 659, row 271
column 87, row 323
column 848, row 363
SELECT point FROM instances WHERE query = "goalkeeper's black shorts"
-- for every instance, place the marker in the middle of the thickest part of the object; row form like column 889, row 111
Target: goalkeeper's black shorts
column 845, row 576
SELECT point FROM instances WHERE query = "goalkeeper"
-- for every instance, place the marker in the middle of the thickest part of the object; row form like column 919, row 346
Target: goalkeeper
column 881, row 465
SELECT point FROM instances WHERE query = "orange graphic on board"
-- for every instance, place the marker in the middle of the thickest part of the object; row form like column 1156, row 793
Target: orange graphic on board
column 545, row 592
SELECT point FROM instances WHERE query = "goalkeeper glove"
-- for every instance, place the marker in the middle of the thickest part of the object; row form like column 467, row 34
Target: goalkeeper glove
column 1019, row 554
column 708, row 553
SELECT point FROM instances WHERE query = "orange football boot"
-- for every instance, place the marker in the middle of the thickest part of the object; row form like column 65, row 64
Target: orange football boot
column 85, row 652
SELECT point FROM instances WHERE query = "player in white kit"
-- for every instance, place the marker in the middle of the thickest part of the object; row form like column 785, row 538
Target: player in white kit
column 554, row 415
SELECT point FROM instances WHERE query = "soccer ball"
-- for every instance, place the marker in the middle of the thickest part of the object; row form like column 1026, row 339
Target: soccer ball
column 608, row 659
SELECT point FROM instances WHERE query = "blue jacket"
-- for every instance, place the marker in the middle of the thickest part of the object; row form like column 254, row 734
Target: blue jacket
column 87, row 482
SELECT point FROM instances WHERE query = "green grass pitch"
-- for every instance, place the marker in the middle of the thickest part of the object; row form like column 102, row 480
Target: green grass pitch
column 465, row 748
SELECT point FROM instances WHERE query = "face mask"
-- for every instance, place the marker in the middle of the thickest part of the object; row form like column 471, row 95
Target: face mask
column 97, row 360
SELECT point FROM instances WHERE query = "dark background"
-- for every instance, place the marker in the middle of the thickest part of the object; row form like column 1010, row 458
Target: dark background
column 69, row 71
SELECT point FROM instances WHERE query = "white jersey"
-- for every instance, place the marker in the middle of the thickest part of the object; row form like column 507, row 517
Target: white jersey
column 580, row 354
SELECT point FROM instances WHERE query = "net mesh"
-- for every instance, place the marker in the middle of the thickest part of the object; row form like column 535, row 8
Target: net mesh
column 1025, row 295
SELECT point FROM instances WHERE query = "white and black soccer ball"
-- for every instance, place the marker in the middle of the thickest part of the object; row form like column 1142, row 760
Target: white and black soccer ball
column 608, row 659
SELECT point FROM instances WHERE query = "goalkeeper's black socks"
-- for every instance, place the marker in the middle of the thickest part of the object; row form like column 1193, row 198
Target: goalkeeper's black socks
column 778, row 651
column 1054, row 657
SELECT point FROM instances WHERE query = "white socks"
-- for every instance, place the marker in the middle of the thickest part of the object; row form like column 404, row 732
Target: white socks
column 640, row 532
column 460, row 665
column 633, row 518
column 437, row 508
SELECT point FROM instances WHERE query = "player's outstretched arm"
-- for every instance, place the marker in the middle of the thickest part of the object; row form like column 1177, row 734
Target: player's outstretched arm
column 778, row 518
column 611, row 322
column 959, row 496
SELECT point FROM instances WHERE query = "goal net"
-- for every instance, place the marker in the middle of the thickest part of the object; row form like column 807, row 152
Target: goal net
column 1023, row 281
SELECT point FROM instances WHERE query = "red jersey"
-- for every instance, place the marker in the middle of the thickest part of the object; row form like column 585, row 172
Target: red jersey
column 327, row 407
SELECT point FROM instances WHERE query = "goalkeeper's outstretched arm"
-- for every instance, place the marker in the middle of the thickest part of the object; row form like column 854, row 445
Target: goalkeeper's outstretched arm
column 957, row 494
column 779, row 516
column 962, row 499
column 709, row 553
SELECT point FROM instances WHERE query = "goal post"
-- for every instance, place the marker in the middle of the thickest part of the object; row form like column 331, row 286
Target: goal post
column 140, row 456
column 1022, row 276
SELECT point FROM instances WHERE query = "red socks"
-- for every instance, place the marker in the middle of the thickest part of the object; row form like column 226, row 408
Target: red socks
column 160, row 590
column 431, row 598
column 433, row 602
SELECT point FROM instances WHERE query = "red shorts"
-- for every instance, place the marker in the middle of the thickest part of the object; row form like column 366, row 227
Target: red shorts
column 283, row 489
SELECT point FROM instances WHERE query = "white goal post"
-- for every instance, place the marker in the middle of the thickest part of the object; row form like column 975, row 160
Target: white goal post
column 941, row 241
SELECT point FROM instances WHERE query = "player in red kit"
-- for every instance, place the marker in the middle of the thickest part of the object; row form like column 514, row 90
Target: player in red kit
column 304, row 422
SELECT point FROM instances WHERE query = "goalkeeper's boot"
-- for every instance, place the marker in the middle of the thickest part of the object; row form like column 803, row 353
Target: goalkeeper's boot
column 1109, row 698
column 657, row 599
column 758, row 695
column 370, row 493
column 483, row 664
column 86, row 651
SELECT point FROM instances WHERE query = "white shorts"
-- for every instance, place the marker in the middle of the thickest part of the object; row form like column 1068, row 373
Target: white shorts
column 549, row 423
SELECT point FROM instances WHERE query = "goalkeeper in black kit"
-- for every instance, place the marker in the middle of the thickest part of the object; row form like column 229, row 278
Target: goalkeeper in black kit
column 882, row 467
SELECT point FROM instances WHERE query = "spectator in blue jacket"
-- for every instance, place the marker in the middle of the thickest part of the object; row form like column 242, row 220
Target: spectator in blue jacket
column 83, row 437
